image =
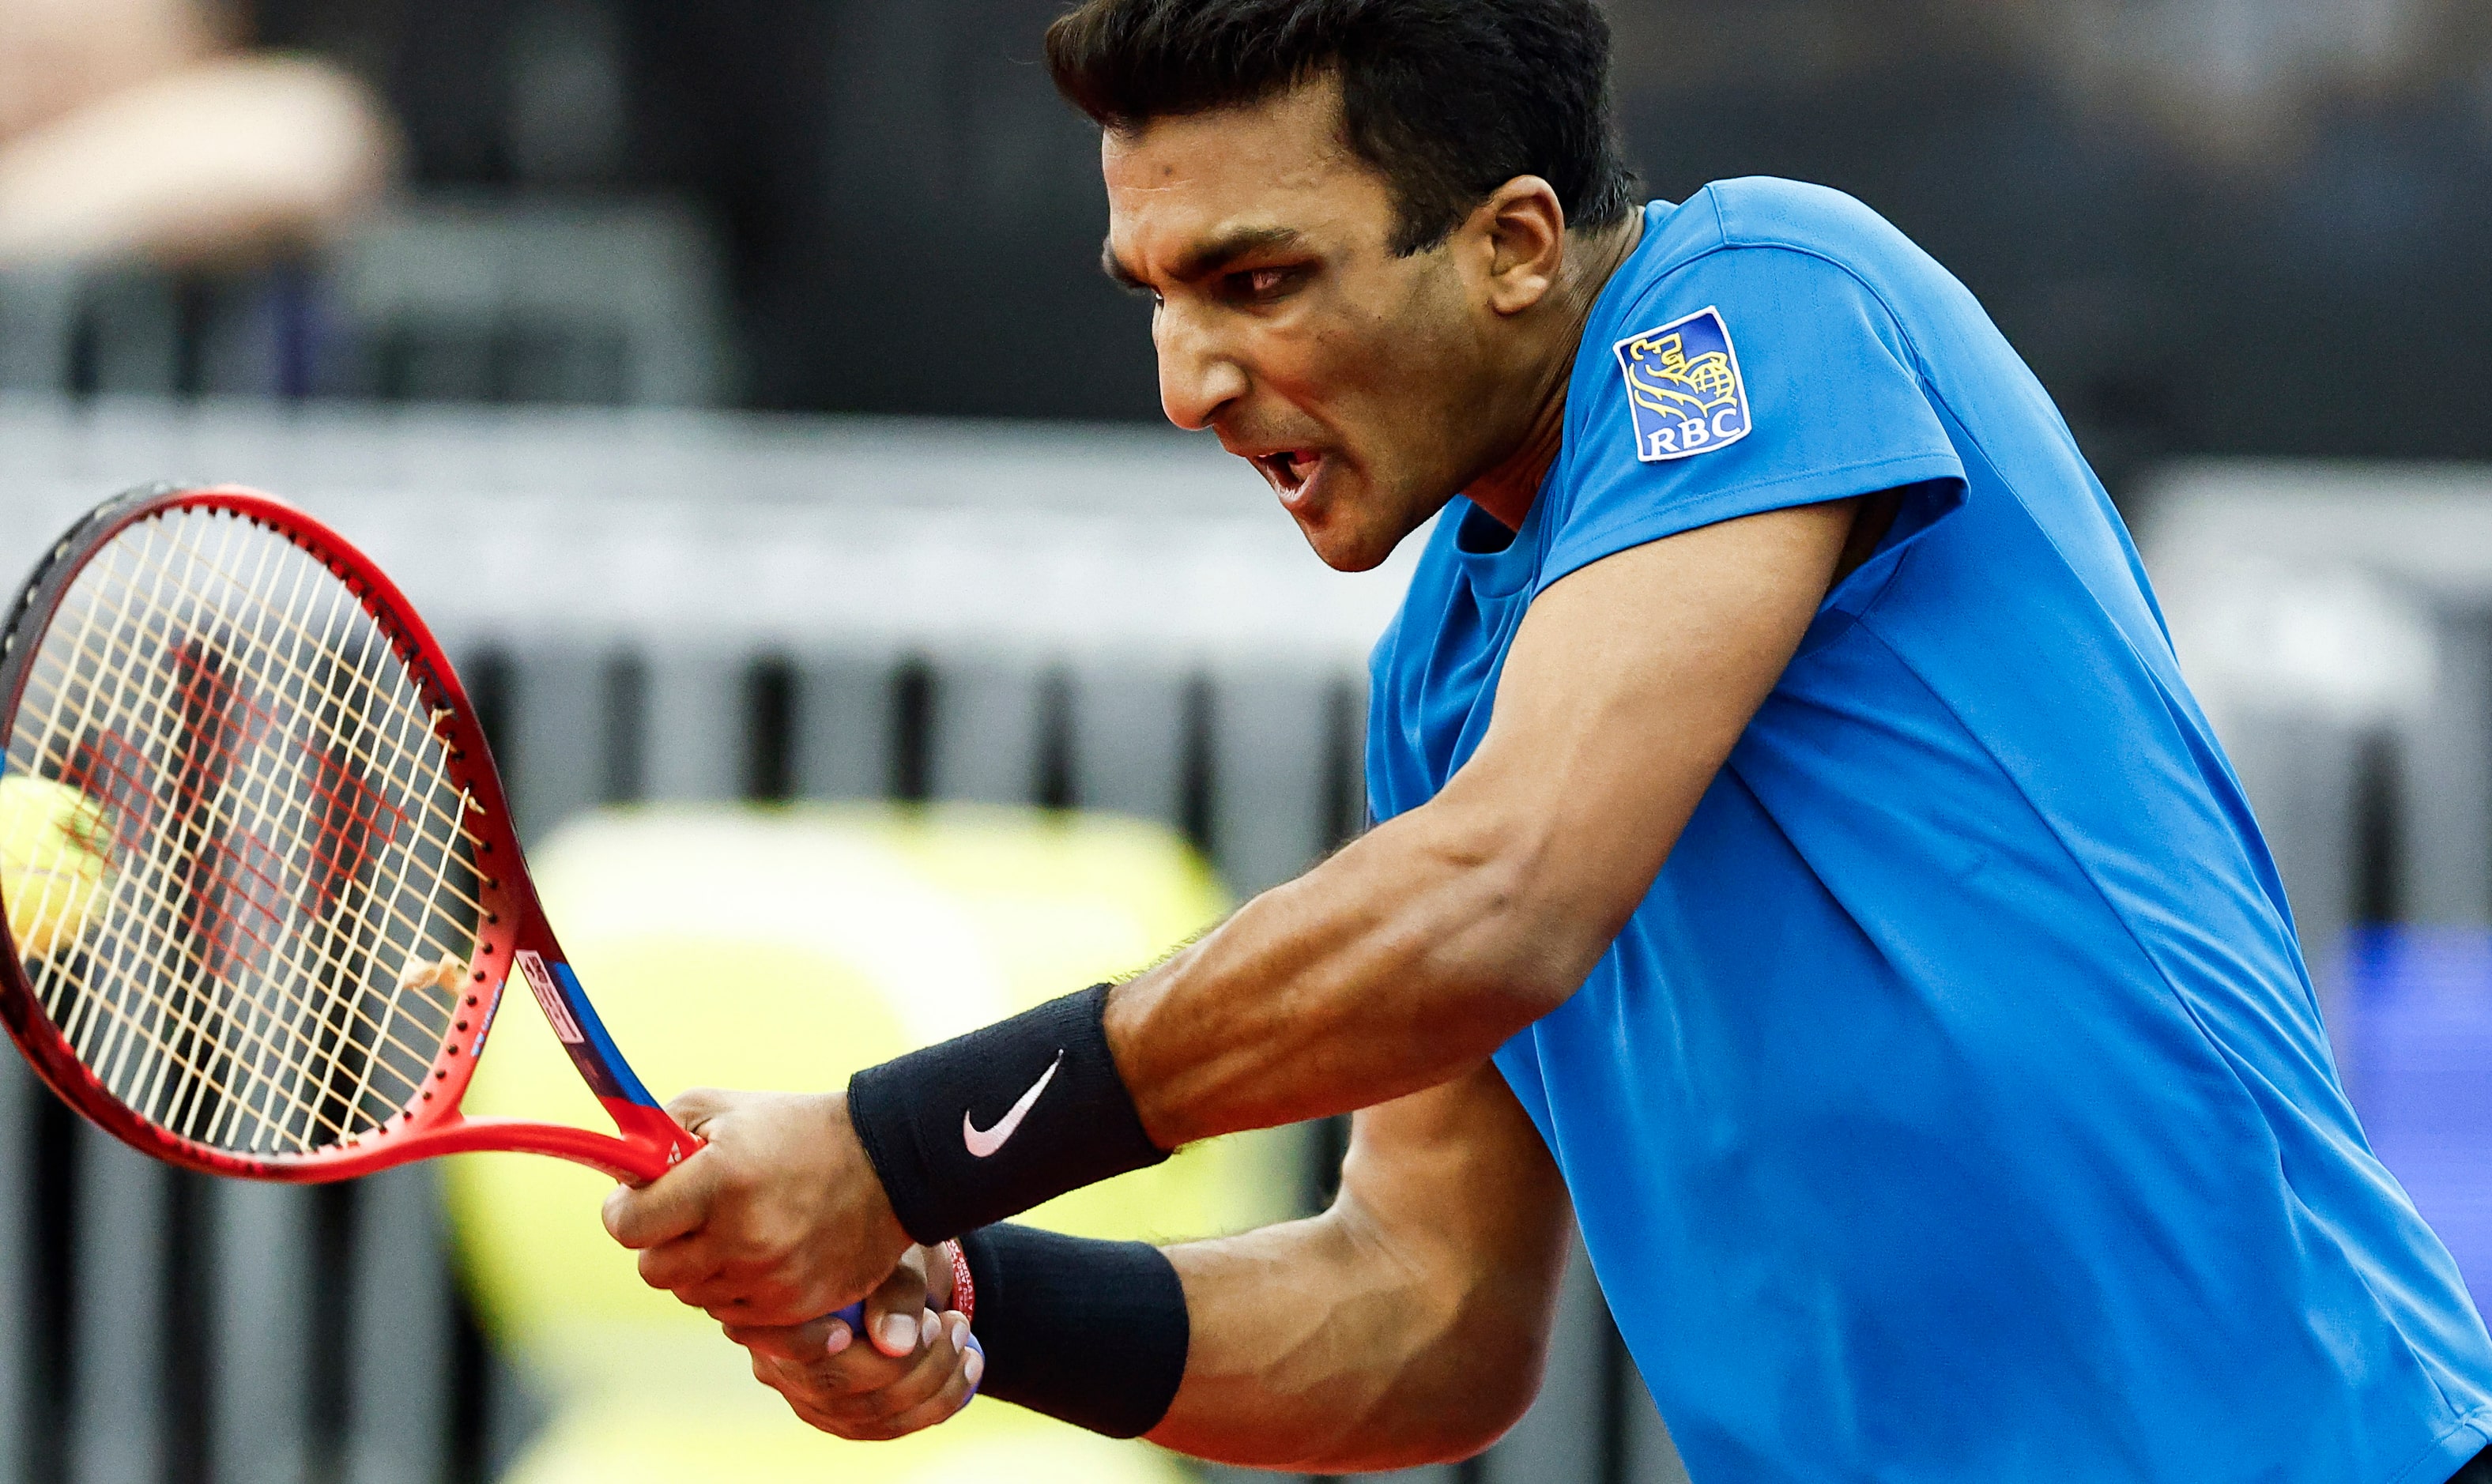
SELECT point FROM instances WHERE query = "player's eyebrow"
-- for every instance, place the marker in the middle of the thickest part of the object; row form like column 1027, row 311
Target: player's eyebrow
column 1203, row 258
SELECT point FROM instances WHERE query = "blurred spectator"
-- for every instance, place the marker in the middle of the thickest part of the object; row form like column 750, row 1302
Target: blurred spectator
column 897, row 189
column 140, row 128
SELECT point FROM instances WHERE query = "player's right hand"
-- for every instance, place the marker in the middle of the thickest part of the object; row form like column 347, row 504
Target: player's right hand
column 912, row 1369
column 780, row 1218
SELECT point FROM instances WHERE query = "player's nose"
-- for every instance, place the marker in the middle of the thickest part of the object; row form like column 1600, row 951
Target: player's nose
column 1198, row 376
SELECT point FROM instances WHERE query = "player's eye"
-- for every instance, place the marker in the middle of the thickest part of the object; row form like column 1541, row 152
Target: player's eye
column 1261, row 286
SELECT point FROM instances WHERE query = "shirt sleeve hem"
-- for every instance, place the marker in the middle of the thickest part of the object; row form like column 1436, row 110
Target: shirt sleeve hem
column 1577, row 550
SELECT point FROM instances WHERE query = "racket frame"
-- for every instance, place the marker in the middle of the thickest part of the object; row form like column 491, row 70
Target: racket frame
column 513, row 935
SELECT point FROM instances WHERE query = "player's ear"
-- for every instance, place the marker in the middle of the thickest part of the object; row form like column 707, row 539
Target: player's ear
column 1522, row 229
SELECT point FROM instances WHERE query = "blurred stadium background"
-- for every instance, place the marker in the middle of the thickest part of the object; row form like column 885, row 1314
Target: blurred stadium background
column 735, row 386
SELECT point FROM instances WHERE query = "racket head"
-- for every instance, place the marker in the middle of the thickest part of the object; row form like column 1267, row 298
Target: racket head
column 298, row 807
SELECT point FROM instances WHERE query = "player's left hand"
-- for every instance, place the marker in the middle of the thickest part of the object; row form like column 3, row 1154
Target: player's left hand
column 777, row 1221
column 894, row 1385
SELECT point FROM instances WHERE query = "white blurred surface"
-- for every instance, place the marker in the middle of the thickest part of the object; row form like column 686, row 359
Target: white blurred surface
column 885, row 534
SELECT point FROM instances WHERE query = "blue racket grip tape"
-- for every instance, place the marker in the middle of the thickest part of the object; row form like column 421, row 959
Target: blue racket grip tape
column 853, row 1316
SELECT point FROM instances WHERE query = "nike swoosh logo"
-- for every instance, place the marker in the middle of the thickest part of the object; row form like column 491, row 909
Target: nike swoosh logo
column 983, row 1142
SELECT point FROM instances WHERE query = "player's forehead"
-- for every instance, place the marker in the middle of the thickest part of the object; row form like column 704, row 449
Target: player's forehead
column 1185, row 188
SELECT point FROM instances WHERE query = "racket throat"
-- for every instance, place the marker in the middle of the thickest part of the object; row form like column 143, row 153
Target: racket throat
column 645, row 1153
column 655, row 1138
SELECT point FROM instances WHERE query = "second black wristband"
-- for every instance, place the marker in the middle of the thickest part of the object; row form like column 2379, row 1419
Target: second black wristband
column 986, row 1125
column 1093, row 1332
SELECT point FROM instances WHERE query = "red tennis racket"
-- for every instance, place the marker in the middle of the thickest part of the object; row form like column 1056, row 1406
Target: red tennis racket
column 299, row 897
column 312, row 897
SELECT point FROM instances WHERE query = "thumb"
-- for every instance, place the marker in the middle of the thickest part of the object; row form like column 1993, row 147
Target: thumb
column 895, row 1310
column 674, row 1204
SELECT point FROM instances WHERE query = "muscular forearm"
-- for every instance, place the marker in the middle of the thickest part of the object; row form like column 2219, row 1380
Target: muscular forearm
column 1406, row 1326
column 1316, row 1352
column 1407, row 956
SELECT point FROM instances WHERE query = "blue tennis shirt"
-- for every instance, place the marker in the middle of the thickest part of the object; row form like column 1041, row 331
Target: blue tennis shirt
column 1955, row 1107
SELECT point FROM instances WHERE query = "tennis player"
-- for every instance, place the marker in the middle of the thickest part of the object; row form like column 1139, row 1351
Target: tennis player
column 1798, row 849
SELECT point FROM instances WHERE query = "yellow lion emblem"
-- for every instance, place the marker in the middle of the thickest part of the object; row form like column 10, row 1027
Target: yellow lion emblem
column 1661, row 378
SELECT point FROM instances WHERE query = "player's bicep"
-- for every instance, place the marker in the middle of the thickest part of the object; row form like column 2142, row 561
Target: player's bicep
column 1625, row 689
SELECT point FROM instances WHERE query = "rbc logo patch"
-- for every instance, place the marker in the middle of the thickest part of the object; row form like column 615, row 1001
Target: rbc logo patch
column 1684, row 388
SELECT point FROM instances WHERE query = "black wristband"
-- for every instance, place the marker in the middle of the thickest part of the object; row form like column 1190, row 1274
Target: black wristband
column 1091, row 1333
column 986, row 1125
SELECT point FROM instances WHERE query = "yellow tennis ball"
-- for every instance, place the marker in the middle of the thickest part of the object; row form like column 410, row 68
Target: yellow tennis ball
column 55, row 863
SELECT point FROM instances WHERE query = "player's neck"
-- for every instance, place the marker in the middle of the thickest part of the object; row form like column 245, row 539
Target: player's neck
column 1506, row 490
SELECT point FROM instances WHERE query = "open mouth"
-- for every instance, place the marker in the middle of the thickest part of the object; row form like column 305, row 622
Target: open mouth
column 1289, row 471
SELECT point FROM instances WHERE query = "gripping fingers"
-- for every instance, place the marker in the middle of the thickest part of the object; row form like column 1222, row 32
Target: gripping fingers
column 893, row 1311
column 938, row 1380
column 956, row 1391
column 681, row 1267
column 674, row 1206
column 797, row 1345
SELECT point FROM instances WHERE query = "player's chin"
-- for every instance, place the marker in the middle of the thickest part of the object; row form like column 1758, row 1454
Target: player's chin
column 1343, row 539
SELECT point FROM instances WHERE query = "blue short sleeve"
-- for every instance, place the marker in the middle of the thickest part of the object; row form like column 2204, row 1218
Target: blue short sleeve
column 1748, row 379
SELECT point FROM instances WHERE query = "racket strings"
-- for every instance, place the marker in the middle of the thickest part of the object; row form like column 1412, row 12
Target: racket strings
column 262, row 779
column 456, row 832
column 322, row 644
column 326, row 791
column 260, row 1037
column 232, row 885
column 284, row 833
column 185, row 1025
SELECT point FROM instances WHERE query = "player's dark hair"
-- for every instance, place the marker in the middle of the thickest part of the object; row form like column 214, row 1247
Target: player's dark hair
column 1447, row 100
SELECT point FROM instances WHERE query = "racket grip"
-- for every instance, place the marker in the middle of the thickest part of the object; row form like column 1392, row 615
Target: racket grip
column 853, row 1316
